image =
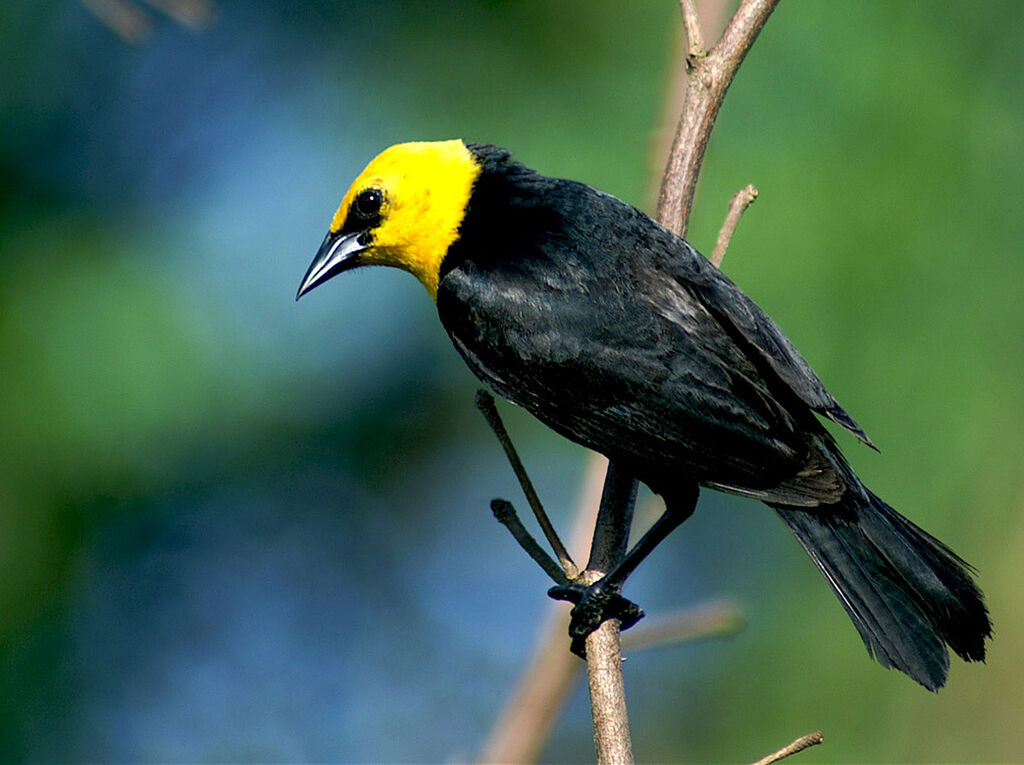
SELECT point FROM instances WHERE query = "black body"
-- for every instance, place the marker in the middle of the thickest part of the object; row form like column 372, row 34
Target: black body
column 620, row 336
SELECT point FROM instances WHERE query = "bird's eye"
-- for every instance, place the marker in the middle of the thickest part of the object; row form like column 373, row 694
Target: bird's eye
column 367, row 203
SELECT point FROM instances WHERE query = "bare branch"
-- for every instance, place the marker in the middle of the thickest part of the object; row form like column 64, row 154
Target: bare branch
column 604, row 655
column 694, row 37
column 738, row 205
column 804, row 742
column 485, row 403
column 608, row 696
column 706, row 86
column 708, row 620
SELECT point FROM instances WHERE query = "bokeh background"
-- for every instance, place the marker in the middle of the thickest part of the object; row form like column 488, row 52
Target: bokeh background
column 237, row 528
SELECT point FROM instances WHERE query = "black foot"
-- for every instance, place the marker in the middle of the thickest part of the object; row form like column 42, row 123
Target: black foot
column 594, row 605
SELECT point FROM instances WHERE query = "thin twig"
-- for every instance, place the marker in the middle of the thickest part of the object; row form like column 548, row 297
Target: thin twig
column 694, row 37
column 738, row 205
column 603, row 651
column 507, row 516
column 706, row 86
column 485, row 403
column 715, row 619
column 804, row 742
column 607, row 696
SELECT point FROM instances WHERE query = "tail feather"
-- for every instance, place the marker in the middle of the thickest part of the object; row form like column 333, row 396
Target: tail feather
column 907, row 593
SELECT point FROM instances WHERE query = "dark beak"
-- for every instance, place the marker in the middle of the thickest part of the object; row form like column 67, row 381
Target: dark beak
column 338, row 253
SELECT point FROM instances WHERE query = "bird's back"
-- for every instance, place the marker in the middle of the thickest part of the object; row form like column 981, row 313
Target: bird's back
column 571, row 303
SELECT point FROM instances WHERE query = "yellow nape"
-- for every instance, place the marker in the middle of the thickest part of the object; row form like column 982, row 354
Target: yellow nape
column 426, row 187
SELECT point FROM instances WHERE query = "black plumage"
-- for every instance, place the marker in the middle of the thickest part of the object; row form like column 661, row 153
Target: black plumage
column 620, row 336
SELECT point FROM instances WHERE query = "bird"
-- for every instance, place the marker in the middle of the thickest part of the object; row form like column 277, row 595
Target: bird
column 620, row 336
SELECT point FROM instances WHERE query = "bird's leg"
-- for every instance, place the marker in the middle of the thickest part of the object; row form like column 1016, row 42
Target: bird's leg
column 601, row 600
column 485, row 403
column 507, row 516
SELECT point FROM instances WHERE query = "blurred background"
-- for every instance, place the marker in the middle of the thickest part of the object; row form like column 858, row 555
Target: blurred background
column 237, row 528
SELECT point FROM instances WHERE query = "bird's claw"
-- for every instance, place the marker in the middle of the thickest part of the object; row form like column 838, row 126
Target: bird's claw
column 594, row 605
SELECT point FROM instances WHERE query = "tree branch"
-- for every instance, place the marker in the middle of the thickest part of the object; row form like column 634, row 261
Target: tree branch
column 738, row 205
column 710, row 77
column 713, row 619
column 608, row 696
column 804, row 742
column 604, row 652
column 694, row 37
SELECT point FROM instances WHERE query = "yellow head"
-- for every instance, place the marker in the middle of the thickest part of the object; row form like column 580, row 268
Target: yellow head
column 404, row 210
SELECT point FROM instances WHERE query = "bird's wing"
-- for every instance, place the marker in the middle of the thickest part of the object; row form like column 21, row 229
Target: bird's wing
column 662, row 387
column 743, row 317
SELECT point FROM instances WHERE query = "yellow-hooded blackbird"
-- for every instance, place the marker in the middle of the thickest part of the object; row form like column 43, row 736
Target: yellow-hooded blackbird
column 620, row 336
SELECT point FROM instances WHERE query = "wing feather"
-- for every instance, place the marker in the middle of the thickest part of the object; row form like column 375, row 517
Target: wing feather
column 735, row 310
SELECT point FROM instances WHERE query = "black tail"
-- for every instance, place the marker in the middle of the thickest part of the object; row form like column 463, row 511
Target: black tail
column 907, row 593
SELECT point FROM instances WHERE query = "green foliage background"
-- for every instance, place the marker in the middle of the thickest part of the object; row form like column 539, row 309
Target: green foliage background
column 236, row 528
